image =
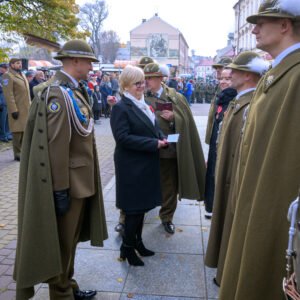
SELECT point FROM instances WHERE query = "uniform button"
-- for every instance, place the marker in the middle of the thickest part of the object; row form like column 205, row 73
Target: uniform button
column 40, row 114
column 44, row 180
column 42, row 164
column 41, row 147
column 41, row 130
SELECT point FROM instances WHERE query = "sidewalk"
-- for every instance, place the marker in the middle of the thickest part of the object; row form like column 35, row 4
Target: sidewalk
column 176, row 271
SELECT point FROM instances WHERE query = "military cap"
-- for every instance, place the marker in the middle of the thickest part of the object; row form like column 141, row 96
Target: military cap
column 145, row 60
column 249, row 61
column 13, row 60
column 4, row 65
column 223, row 62
column 277, row 9
column 76, row 49
column 156, row 70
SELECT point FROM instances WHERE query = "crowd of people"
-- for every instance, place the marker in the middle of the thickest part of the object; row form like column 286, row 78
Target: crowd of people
column 250, row 178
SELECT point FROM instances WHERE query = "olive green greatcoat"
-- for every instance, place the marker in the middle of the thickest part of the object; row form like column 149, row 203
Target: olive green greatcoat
column 190, row 158
column 227, row 158
column 211, row 115
column 17, row 96
column 38, row 249
column 269, row 172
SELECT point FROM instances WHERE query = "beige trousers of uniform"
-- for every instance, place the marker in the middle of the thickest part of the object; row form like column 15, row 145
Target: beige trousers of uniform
column 169, row 188
column 69, row 227
column 17, row 143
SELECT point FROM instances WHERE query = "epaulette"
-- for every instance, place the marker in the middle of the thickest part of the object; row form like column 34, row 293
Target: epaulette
column 41, row 88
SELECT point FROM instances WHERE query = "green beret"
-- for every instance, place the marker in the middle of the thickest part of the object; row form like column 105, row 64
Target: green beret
column 277, row 9
column 223, row 62
column 249, row 61
column 156, row 70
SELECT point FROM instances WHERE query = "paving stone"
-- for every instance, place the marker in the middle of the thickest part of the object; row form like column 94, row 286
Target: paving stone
column 126, row 296
column 112, row 243
column 100, row 270
column 168, row 275
column 3, row 269
column 212, row 289
column 5, row 281
column 8, row 295
column 111, row 212
column 187, row 239
column 186, row 215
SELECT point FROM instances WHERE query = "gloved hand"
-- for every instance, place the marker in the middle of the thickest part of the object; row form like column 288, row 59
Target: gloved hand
column 15, row 115
column 62, row 202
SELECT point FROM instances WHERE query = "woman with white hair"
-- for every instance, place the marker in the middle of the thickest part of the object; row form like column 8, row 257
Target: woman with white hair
column 138, row 140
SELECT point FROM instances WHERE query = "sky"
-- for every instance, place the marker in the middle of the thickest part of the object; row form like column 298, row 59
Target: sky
column 205, row 24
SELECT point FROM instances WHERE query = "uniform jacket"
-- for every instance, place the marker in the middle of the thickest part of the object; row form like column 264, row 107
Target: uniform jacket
column 17, row 96
column 269, row 172
column 227, row 158
column 136, row 158
column 54, row 157
column 2, row 99
column 190, row 158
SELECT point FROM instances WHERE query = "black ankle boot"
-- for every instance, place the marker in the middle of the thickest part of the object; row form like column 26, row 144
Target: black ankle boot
column 128, row 252
column 142, row 250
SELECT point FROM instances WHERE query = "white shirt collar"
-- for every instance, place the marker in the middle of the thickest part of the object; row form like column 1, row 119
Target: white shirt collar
column 159, row 92
column 76, row 83
column 284, row 54
column 240, row 94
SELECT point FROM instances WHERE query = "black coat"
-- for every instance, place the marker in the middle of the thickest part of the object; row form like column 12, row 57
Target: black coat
column 136, row 158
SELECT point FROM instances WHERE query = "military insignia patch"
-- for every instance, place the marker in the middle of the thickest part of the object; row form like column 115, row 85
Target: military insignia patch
column 54, row 107
column 5, row 82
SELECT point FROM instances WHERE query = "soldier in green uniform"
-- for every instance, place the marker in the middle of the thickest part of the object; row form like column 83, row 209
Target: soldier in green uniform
column 197, row 92
column 182, row 165
column 219, row 66
column 247, row 69
column 17, row 96
column 145, row 60
column 269, row 165
column 60, row 195
column 202, row 89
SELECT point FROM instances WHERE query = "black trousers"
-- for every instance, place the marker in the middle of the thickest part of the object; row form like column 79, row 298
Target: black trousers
column 133, row 228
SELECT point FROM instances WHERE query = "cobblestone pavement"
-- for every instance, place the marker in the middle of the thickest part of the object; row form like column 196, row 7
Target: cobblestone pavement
column 175, row 272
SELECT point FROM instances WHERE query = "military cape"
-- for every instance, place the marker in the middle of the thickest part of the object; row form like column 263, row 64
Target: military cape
column 38, row 250
column 268, row 180
column 190, row 158
column 227, row 159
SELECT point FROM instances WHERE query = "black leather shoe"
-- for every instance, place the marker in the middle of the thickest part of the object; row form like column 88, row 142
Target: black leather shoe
column 142, row 250
column 216, row 282
column 127, row 252
column 120, row 228
column 17, row 158
column 169, row 227
column 84, row 295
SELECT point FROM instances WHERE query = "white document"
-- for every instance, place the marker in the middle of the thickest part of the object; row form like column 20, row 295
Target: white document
column 173, row 138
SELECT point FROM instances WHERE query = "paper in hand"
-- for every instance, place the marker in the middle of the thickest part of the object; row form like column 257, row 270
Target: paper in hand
column 173, row 138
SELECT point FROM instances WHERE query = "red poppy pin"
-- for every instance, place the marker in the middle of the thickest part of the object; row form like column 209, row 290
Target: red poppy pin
column 151, row 108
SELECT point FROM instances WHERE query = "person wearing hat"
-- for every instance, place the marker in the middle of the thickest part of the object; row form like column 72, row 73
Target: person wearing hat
column 16, row 92
column 60, row 195
column 182, row 165
column 269, row 165
column 246, row 70
column 5, row 134
column 145, row 60
column 219, row 66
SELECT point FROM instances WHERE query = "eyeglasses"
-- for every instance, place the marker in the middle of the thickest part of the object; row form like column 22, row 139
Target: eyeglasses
column 139, row 84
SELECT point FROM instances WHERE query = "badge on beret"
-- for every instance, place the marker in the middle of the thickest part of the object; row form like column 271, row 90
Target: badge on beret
column 54, row 107
column 5, row 82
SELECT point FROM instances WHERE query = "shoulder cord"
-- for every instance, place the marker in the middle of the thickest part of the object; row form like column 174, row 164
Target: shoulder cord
column 81, row 130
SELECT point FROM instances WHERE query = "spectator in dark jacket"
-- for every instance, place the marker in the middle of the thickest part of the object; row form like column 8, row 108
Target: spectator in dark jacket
column 105, row 90
column 37, row 79
column 97, row 104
